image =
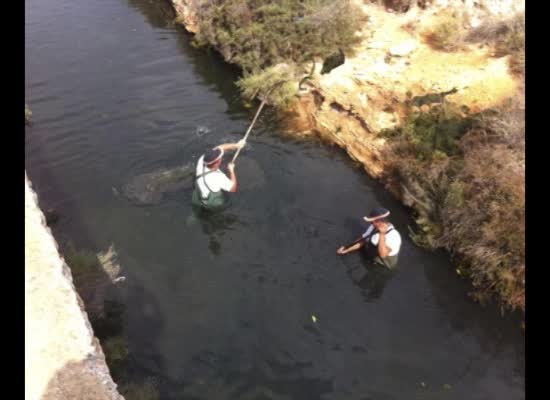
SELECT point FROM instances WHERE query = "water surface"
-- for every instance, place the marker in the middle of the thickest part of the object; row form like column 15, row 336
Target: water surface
column 221, row 309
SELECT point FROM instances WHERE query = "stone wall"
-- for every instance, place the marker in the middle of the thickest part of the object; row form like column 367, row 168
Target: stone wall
column 63, row 359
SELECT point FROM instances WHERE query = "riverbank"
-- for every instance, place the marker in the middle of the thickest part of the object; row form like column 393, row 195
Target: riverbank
column 383, row 107
column 68, row 361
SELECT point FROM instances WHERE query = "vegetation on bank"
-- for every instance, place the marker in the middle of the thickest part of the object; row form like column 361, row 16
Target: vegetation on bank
column 466, row 176
column 259, row 35
column 449, row 32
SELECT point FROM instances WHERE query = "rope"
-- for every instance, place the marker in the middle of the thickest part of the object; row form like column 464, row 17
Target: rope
column 256, row 117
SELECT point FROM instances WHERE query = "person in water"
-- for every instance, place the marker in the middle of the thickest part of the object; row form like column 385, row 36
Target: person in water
column 210, row 181
column 383, row 237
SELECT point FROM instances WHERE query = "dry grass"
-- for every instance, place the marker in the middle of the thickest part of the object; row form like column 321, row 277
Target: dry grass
column 471, row 202
column 446, row 32
column 488, row 229
column 507, row 37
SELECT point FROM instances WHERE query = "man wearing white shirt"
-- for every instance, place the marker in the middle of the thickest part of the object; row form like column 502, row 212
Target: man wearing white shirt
column 210, row 181
column 382, row 235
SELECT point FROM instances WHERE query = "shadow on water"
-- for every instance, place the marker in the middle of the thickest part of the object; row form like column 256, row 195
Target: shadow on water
column 371, row 279
column 269, row 378
column 495, row 333
column 158, row 13
column 214, row 225
column 206, row 63
column 104, row 302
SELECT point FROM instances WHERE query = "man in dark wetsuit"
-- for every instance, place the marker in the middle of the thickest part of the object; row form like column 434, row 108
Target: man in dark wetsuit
column 382, row 235
column 210, row 182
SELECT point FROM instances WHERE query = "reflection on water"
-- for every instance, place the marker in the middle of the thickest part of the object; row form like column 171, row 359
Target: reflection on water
column 372, row 279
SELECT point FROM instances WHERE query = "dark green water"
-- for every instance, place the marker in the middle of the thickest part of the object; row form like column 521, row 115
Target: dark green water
column 221, row 309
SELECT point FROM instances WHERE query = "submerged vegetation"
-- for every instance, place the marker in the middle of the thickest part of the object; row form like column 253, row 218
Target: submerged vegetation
column 140, row 391
column 93, row 275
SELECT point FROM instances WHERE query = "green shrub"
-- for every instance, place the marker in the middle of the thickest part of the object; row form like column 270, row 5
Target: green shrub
column 260, row 84
column 257, row 34
column 433, row 135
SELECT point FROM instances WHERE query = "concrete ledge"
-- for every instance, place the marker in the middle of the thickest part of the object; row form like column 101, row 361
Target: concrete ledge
column 63, row 359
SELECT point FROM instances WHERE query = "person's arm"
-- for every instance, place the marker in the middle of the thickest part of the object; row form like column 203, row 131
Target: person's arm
column 232, row 177
column 383, row 249
column 231, row 146
column 354, row 246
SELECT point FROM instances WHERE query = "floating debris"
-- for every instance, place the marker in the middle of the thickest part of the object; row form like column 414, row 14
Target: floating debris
column 447, row 386
column 202, row 130
column 314, row 318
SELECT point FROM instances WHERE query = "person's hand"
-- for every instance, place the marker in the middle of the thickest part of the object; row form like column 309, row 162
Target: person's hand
column 340, row 250
column 231, row 167
column 241, row 143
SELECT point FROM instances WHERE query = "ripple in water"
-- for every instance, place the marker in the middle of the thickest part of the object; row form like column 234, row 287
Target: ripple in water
column 202, row 130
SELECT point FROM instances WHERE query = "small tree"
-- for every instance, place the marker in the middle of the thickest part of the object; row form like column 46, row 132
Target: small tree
column 259, row 34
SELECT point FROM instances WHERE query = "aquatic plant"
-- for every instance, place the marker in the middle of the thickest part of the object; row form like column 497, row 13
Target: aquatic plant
column 92, row 275
column 140, row 391
column 115, row 349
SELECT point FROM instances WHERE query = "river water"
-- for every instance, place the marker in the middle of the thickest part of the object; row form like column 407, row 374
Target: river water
column 222, row 308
